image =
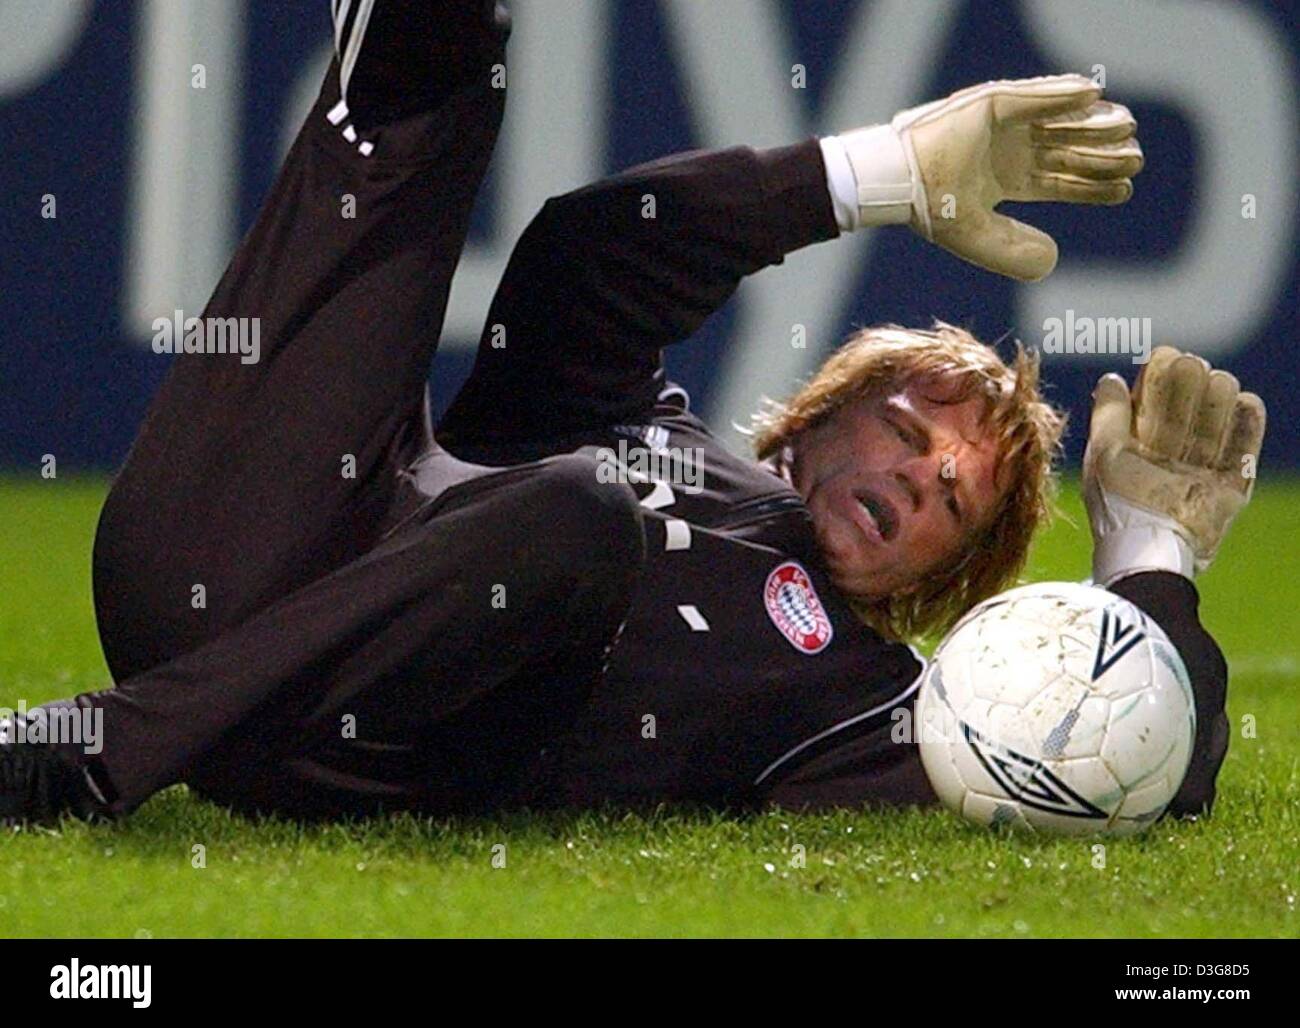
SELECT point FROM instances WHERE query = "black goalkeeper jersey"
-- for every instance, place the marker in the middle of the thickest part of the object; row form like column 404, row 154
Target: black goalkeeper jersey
column 739, row 674
column 738, row 662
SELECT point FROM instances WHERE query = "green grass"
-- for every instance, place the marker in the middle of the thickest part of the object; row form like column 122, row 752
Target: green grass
column 676, row 873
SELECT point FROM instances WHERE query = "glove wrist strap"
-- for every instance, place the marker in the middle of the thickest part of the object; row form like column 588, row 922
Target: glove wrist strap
column 1154, row 546
column 878, row 188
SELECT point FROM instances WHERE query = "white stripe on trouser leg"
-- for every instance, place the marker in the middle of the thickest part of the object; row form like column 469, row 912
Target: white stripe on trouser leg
column 661, row 496
column 692, row 616
column 340, row 18
column 349, row 59
column 677, row 535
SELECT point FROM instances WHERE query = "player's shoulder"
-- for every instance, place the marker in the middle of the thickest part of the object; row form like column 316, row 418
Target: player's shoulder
column 672, row 426
column 672, row 418
column 672, row 413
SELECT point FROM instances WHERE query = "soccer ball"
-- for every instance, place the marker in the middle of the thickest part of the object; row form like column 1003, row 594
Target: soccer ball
column 1058, row 707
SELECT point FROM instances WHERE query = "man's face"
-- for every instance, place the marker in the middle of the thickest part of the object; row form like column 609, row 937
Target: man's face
column 897, row 485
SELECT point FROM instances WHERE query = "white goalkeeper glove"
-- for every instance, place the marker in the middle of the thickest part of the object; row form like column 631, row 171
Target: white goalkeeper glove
column 1167, row 469
column 944, row 166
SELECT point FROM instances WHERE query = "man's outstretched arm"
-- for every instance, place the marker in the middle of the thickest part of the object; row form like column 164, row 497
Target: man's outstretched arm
column 1173, row 603
column 608, row 275
column 1166, row 470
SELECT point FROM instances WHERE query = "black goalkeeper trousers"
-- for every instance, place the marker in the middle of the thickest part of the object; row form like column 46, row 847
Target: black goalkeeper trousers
column 292, row 625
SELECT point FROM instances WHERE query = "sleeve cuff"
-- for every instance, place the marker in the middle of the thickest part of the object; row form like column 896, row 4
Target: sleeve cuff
column 794, row 182
column 840, row 183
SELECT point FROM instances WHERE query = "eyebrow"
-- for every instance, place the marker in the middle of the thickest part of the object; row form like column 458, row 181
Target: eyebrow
column 914, row 423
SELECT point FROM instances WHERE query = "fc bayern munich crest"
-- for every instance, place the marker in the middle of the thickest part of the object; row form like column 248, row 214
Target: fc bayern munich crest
column 794, row 608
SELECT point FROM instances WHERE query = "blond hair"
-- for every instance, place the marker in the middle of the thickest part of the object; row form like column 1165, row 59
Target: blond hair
column 1026, row 428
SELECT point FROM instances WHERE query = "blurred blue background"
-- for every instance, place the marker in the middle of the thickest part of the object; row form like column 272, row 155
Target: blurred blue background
column 152, row 178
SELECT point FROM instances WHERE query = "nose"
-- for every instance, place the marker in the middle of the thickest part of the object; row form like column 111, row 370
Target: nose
column 924, row 477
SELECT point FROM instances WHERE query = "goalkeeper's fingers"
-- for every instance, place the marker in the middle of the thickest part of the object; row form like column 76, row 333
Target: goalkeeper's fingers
column 1017, row 101
column 1169, row 392
column 1062, row 188
column 1244, row 439
column 1101, row 122
column 1150, row 373
column 1112, row 414
column 1210, row 425
column 1086, row 156
column 1120, row 160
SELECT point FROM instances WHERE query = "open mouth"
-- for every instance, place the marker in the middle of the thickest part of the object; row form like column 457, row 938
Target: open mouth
column 881, row 511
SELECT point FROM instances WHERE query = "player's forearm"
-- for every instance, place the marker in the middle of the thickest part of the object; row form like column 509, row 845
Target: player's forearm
column 1172, row 602
column 653, row 251
column 607, row 276
column 1164, row 475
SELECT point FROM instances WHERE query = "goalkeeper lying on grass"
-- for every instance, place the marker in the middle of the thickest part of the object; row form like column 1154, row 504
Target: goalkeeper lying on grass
column 394, row 623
